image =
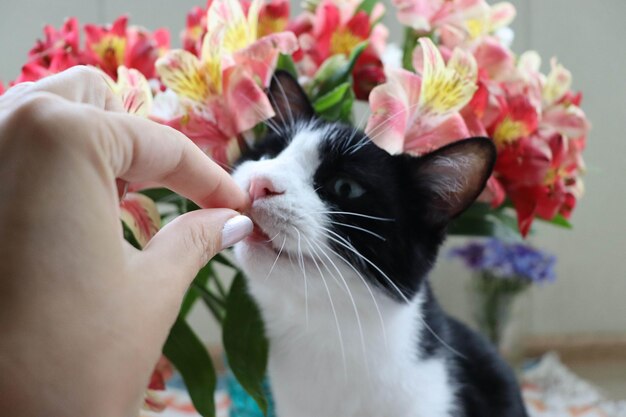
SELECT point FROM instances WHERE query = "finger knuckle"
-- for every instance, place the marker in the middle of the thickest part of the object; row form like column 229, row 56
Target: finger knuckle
column 35, row 114
column 86, row 73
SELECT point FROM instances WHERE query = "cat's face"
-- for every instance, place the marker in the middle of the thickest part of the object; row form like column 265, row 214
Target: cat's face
column 325, row 199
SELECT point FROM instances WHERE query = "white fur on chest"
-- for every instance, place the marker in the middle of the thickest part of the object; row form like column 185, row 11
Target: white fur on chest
column 383, row 376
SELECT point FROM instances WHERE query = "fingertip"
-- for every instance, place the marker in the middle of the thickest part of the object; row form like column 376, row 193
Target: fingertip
column 236, row 229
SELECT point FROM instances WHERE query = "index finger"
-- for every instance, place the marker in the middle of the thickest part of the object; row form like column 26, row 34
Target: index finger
column 143, row 150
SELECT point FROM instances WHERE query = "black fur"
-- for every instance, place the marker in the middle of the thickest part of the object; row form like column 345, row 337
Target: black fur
column 405, row 189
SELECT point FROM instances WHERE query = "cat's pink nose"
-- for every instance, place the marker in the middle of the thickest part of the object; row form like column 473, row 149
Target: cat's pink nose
column 262, row 187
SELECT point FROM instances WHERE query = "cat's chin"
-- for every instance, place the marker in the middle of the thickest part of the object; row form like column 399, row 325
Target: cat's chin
column 259, row 242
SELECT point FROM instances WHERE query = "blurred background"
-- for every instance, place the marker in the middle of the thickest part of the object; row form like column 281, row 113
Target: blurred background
column 587, row 303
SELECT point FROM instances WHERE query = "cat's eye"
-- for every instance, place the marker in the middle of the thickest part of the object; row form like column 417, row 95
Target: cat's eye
column 347, row 188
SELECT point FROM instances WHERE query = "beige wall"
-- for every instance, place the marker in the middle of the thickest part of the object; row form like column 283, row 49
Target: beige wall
column 589, row 37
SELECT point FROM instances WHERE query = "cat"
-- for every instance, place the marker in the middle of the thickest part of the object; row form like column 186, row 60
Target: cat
column 345, row 234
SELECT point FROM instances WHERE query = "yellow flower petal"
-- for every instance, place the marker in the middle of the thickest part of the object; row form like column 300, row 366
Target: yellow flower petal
column 446, row 89
column 181, row 72
column 253, row 20
column 212, row 53
column 227, row 17
column 509, row 131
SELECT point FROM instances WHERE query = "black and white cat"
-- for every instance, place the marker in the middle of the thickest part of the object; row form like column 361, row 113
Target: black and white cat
column 345, row 236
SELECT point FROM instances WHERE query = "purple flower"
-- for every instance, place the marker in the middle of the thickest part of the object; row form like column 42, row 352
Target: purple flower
column 507, row 260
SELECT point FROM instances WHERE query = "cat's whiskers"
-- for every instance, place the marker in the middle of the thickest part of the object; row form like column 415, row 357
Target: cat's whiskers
column 350, row 213
column 277, row 256
column 355, row 129
column 257, row 108
column 385, row 123
column 311, row 251
column 351, row 248
column 351, row 226
column 354, row 306
column 291, row 120
column 369, row 290
column 275, row 236
column 303, row 268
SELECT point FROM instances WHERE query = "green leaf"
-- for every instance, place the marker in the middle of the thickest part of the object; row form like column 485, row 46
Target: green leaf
column 201, row 280
column 213, row 302
column 366, row 6
column 224, row 261
column 340, row 75
column 130, row 237
column 331, row 98
column 160, row 194
column 285, row 63
column 559, row 221
column 482, row 220
column 472, row 226
column 244, row 341
column 408, row 45
column 191, row 359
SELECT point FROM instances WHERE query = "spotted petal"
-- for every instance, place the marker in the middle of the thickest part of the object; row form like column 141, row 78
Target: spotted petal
column 181, row 72
column 135, row 91
column 446, row 89
column 139, row 213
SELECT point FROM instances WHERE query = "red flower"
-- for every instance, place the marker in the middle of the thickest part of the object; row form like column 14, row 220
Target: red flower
column 62, row 44
column 273, row 17
column 106, row 45
column 109, row 47
column 368, row 73
column 194, row 31
column 336, row 29
column 162, row 372
column 58, row 51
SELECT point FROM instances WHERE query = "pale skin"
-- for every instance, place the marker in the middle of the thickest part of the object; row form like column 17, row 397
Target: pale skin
column 83, row 315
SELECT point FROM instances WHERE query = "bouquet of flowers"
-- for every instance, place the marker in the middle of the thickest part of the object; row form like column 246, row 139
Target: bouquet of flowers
column 454, row 77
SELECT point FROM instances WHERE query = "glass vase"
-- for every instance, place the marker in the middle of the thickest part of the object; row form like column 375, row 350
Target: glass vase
column 501, row 313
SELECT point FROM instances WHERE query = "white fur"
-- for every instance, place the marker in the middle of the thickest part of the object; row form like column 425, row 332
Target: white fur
column 324, row 362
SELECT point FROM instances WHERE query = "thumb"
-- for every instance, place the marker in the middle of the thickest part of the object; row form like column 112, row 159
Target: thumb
column 187, row 243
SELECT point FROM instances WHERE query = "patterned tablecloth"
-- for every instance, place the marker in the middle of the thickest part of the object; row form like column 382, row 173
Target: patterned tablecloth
column 549, row 389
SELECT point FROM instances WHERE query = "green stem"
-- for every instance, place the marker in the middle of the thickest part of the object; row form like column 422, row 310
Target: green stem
column 410, row 41
column 213, row 302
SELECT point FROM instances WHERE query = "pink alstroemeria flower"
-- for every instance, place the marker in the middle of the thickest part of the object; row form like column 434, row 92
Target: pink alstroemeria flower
column 133, row 89
column 456, row 22
column 418, row 113
column 222, row 90
column 162, row 372
column 139, row 213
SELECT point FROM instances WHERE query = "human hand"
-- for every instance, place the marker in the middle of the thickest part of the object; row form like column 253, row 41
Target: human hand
column 84, row 315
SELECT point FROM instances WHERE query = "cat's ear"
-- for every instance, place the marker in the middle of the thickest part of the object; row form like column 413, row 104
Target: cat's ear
column 288, row 99
column 449, row 179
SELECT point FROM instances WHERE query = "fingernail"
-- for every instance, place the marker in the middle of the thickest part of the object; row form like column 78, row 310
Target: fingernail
column 236, row 229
